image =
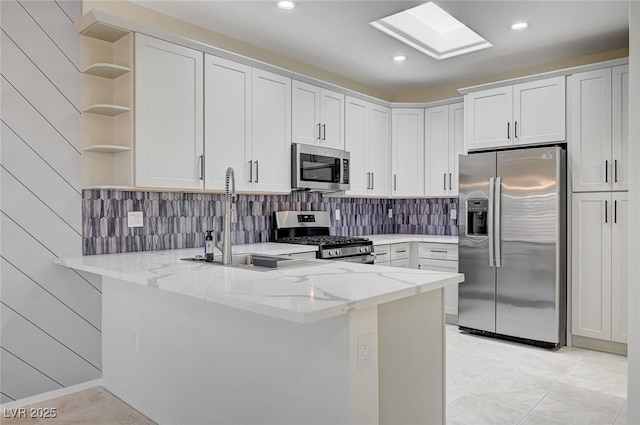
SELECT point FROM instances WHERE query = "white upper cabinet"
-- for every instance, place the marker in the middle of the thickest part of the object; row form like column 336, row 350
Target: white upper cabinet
column 270, row 132
column 407, row 152
column 318, row 116
column 227, row 124
column 368, row 139
column 521, row 114
column 600, row 123
column 168, row 115
column 444, row 139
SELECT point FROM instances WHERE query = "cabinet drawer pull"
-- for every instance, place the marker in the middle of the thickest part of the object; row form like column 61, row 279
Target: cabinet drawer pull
column 400, row 251
column 381, row 253
column 440, row 251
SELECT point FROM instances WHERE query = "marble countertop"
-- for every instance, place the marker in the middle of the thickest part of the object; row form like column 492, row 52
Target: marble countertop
column 317, row 290
column 400, row 238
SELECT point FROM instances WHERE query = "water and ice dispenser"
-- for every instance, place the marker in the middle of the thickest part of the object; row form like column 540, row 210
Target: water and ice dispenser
column 477, row 214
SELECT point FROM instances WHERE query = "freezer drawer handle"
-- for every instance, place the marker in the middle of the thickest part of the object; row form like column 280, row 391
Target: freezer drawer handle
column 490, row 220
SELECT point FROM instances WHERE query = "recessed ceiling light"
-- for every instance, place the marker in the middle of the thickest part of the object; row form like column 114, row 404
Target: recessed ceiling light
column 286, row 4
column 399, row 58
column 431, row 30
column 519, row 26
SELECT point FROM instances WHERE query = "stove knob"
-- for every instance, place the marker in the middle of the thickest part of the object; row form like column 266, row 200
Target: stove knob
column 339, row 251
column 330, row 253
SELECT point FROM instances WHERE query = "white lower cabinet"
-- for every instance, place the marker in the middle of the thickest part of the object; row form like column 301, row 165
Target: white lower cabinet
column 599, row 267
column 444, row 258
column 247, row 127
column 382, row 255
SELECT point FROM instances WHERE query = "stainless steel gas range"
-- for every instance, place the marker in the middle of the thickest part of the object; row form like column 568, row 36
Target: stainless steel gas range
column 313, row 228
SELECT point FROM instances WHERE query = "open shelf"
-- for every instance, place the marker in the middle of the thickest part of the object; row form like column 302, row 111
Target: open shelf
column 106, row 70
column 107, row 148
column 107, row 109
column 99, row 30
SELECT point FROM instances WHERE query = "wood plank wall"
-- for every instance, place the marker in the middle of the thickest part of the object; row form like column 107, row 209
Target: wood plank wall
column 50, row 316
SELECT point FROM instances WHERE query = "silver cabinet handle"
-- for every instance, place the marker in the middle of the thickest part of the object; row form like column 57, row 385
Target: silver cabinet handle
column 440, row 251
column 324, row 132
column 395, row 182
column 201, row 159
column 606, row 211
column 373, row 181
column 400, row 251
column 450, row 181
column 515, row 130
column 615, row 171
column 492, row 189
column 444, row 181
column 251, row 171
column 615, row 211
column 368, row 180
column 319, row 130
column 257, row 171
column 381, row 253
column 498, row 219
column 606, row 171
column 509, row 130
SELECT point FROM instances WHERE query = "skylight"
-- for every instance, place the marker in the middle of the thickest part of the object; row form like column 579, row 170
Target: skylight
column 432, row 31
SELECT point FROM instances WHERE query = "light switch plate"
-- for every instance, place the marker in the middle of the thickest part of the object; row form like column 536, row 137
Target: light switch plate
column 390, row 213
column 134, row 219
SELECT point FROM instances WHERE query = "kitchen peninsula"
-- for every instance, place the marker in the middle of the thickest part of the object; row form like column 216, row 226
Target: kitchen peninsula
column 315, row 342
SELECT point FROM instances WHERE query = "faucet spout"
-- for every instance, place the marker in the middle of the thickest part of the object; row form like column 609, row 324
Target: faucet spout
column 229, row 214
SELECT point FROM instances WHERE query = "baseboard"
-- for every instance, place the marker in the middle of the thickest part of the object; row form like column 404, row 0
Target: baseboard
column 451, row 319
column 133, row 402
column 52, row 394
column 599, row 345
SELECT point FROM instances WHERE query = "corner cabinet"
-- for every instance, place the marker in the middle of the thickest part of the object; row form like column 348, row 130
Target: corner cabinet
column 368, row 139
column 444, row 143
column 520, row 114
column 599, row 265
column 247, row 127
column 600, row 125
column 169, row 115
column 407, row 152
column 318, row 116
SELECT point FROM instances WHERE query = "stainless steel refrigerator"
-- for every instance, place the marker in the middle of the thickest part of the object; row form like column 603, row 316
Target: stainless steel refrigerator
column 512, row 244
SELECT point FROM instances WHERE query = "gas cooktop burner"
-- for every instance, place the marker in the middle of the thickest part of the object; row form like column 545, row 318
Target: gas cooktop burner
column 323, row 240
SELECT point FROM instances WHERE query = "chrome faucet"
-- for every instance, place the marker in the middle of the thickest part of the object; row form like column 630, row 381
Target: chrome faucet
column 229, row 215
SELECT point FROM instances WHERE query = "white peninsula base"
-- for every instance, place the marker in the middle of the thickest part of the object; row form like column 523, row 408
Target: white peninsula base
column 182, row 360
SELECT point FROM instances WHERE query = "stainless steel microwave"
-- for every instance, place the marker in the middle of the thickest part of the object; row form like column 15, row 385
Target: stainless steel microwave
column 319, row 169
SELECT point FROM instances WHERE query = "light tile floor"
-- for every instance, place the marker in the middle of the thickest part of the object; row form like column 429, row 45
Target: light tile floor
column 492, row 382
column 489, row 382
column 95, row 406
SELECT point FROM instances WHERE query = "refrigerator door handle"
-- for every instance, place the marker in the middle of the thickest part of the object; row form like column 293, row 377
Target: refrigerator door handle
column 496, row 221
column 490, row 221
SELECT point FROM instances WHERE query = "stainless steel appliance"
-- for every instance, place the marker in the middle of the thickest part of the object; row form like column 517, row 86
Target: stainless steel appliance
column 512, row 244
column 319, row 169
column 313, row 228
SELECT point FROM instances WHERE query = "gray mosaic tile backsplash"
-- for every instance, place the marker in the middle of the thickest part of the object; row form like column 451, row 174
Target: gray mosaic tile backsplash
column 179, row 220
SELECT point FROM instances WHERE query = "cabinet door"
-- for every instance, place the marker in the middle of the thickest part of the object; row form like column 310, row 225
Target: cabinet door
column 620, row 127
column 227, row 123
column 306, row 113
column 355, row 141
column 591, row 130
column 407, row 143
column 168, row 114
column 382, row 254
column 437, row 153
column 488, row 117
column 271, row 132
column 451, row 291
column 591, row 265
column 456, row 145
column 379, row 149
column 332, row 119
column 619, row 264
column 539, row 110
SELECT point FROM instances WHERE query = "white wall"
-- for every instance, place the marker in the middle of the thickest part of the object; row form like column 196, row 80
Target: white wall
column 51, row 316
column 634, row 205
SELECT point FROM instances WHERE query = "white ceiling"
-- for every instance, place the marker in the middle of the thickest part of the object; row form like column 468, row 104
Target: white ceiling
column 336, row 35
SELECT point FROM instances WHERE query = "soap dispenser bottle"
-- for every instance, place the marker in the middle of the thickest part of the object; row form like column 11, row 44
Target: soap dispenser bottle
column 209, row 246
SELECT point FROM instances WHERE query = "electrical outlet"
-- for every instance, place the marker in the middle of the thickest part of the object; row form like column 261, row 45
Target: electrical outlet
column 337, row 215
column 365, row 350
column 390, row 213
column 134, row 219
